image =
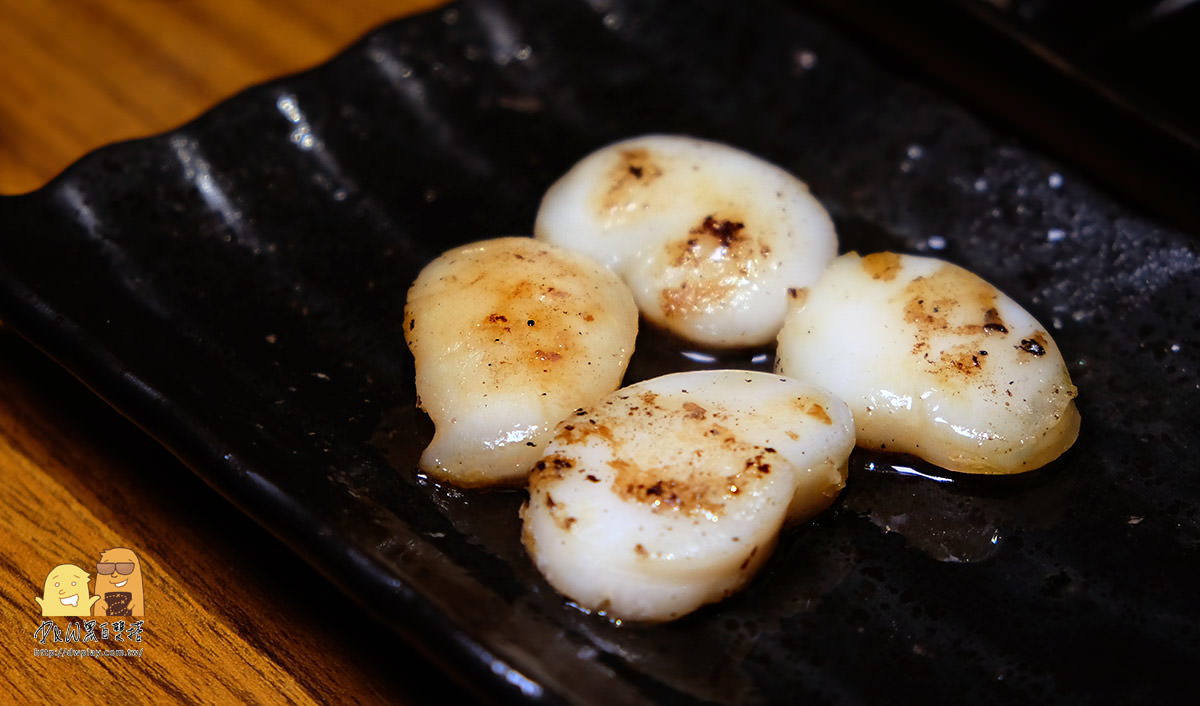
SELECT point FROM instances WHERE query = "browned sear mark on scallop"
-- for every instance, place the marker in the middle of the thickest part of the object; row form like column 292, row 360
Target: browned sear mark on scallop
column 523, row 290
column 882, row 265
column 697, row 493
column 992, row 323
column 495, row 323
column 749, row 557
column 929, row 315
column 656, row 490
column 718, row 430
column 726, row 232
column 556, row 514
column 685, row 299
column 710, row 265
column 551, row 467
column 952, row 303
column 712, row 235
column 759, row 463
column 580, row 432
column 947, row 301
column 962, row 359
column 643, row 485
column 818, row 412
column 1034, row 345
column 635, row 169
column 638, row 164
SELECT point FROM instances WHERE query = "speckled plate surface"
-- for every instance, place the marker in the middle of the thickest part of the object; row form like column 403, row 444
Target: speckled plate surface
column 236, row 286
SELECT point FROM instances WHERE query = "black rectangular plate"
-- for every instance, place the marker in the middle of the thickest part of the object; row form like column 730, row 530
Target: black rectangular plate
column 236, row 286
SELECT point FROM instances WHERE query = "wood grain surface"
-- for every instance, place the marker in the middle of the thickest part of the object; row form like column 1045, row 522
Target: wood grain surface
column 78, row 74
column 231, row 615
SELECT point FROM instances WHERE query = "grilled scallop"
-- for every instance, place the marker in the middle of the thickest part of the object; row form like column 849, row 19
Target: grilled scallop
column 709, row 238
column 508, row 337
column 670, row 493
column 934, row 362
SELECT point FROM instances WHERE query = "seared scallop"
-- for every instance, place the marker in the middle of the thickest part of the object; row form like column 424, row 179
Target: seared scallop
column 933, row 361
column 710, row 238
column 670, row 493
column 508, row 336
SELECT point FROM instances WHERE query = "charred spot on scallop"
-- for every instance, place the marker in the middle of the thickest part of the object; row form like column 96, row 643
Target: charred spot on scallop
column 508, row 336
column 712, row 240
column 635, row 170
column 955, row 371
column 1035, row 345
column 697, row 472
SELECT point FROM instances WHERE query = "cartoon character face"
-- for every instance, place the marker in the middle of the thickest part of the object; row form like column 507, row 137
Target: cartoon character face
column 66, row 592
column 119, row 583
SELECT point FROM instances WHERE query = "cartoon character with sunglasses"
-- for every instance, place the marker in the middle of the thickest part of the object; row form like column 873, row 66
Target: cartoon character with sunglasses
column 119, row 584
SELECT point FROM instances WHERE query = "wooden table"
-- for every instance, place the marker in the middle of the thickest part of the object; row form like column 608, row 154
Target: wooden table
column 231, row 615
